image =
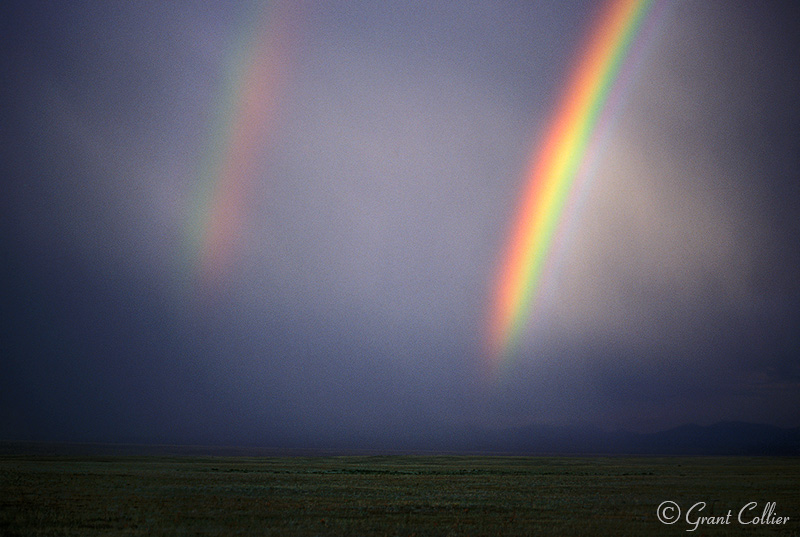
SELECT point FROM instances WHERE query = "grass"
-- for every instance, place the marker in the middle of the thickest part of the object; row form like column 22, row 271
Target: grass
column 386, row 495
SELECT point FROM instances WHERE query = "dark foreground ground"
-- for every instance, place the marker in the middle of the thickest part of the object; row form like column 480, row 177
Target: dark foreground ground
column 392, row 495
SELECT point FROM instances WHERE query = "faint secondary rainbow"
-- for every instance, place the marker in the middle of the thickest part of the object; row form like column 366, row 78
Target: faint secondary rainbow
column 557, row 162
column 246, row 113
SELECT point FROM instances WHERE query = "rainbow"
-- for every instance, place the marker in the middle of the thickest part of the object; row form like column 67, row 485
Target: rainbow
column 564, row 155
column 246, row 113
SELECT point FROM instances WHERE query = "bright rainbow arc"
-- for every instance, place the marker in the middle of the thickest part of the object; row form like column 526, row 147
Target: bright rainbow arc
column 555, row 167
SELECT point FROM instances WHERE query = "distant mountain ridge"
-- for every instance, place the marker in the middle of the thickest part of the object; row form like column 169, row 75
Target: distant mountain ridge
column 723, row 438
column 728, row 438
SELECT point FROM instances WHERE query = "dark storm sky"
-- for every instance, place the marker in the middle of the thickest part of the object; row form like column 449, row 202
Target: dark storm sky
column 356, row 298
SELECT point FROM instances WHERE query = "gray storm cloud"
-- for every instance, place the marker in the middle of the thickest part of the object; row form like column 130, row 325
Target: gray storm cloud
column 358, row 297
column 656, row 248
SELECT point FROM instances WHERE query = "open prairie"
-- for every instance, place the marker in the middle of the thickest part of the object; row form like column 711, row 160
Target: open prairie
column 395, row 495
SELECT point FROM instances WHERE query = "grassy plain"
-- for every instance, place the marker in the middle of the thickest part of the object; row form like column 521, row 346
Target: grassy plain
column 386, row 495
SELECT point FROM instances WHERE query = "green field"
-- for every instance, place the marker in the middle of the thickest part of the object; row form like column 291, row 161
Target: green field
column 387, row 495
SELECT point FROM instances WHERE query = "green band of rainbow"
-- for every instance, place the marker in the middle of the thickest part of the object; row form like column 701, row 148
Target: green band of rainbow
column 555, row 166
